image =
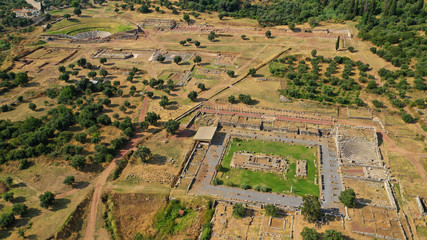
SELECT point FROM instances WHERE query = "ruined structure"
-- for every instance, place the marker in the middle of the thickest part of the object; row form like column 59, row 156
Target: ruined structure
column 258, row 162
column 159, row 24
column 301, row 168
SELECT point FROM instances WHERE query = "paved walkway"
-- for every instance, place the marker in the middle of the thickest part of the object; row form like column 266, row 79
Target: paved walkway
column 329, row 168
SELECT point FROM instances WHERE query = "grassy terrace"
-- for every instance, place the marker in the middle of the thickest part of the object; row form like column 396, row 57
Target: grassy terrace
column 276, row 182
column 78, row 25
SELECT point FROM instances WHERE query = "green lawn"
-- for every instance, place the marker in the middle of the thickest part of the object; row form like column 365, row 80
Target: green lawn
column 275, row 181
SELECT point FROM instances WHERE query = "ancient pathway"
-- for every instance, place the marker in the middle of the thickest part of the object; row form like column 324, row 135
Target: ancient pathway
column 102, row 179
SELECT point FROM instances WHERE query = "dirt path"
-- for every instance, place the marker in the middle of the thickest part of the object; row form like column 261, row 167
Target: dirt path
column 102, row 179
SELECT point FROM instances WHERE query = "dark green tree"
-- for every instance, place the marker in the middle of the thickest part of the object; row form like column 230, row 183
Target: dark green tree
column 314, row 53
column 192, row 95
column 172, row 126
column 47, row 199
column 201, row 86
column 69, row 180
column 348, row 197
column 271, row 210
column 230, row 73
column 186, row 18
column 143, row 125
column 144, row 153
column 238, row 210
column 311, row 209
column 309, row 234
column 19, row 209
column 331, row 234
column 77, row 11
column 231, row 99
column 197, row 59
column 8, row 181
column 161, row 58
column 32, row 106
column 252, row 72
column 177, row 59
column 6, row 220
column 211, row 36
column 152, row 118
column 8, row 196
column 103, row 72
column 78, row 162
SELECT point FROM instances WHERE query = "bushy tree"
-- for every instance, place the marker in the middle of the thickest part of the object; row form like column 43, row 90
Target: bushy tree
column 268, row 34
column 407, row 118
column 309, row 234
column 24, row 164
column 177, row 59
column 103, row 72
column 311, row 209
column 19, row 209
column 378, row 104
column 192, row 96
column 230, row 73
column 211, row 36
column 331, row 234
column 78, row 162
column 143, row 125
column 246, row 99
column 152, row 118
column 252, row 72
column 201, row 86
column 69, row 180
column 231, row 99
column 47, row 199
column 239, row 211
column 8, row 196
column 8, row 181
column 51, row 93
column 161, row 58
column 314, row 53
column 271, row 210
column 144, row 153
column 77, row 11
column 61, row 69
column 6, row 220
column 172, row 126
column 348, row 197
column 32, row 106
column 197, row 59
column 186, row 18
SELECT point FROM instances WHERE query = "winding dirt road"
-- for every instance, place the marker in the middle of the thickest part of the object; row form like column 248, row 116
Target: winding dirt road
column 102, row 179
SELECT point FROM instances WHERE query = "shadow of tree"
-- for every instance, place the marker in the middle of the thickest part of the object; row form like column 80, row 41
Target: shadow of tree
column 60, row 204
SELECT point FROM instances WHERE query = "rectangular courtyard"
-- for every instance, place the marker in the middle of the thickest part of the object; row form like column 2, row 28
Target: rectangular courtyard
column 277, row 182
